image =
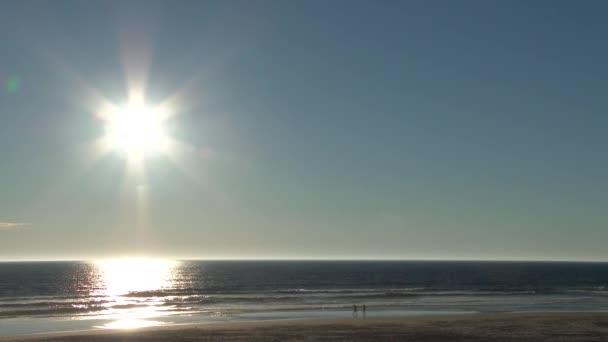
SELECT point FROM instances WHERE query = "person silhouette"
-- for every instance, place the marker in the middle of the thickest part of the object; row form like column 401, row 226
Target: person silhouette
column 364, row 310
column 354, row 310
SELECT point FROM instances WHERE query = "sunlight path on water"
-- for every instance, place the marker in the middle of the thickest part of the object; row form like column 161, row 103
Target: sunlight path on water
column 120, row 279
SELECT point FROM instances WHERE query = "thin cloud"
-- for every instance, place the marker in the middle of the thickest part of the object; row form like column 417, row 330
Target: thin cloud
column 11, row 225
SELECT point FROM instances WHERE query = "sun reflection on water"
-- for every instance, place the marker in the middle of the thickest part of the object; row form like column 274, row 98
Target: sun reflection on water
column 131, row 324
column 124, row 276
column 130, row 288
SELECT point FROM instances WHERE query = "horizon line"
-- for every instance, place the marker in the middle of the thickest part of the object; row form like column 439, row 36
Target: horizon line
column 312, row 259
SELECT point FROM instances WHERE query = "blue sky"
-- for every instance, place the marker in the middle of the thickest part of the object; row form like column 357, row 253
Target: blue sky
column 343, row 129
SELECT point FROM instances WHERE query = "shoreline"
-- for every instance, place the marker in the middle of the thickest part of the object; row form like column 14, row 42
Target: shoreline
column 525, row 326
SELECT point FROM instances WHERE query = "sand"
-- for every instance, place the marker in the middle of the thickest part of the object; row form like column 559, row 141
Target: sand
column 476, row 327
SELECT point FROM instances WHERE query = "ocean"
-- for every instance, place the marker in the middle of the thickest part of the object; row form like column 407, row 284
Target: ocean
column 38, row 297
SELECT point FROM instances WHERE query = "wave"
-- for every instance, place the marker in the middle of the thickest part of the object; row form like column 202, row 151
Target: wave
column 334, row 292
column 204, row 296
column 49, row 311
column 410, row 291
column 202, row 299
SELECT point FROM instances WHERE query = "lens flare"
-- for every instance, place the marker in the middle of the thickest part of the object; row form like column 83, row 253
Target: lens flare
column 10, row 83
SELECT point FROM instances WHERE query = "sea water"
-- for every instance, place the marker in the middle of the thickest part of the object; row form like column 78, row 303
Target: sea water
column 38, row 297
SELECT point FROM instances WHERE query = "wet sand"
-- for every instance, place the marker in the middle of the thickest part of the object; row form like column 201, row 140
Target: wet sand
column 476, row 327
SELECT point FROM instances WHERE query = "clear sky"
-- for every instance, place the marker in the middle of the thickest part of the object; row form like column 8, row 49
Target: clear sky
column 309, row 129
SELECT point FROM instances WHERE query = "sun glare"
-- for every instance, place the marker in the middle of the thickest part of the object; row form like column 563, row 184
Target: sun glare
column 121, row 276
column 143, row 278
column 136, row 129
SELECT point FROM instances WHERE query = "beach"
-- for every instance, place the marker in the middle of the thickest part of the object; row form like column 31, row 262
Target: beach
column 479, row 327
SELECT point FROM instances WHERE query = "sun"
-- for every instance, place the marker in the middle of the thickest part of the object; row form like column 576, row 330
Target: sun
column 136, row 129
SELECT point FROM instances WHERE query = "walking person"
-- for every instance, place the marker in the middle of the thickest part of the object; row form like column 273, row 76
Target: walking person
column 354, row 310
column 364, row 310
